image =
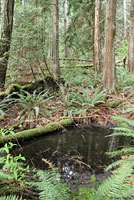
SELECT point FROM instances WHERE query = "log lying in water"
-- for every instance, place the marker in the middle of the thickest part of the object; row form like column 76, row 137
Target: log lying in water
column 27, row 134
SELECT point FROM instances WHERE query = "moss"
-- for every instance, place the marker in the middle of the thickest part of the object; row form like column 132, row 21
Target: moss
column 114, row 104
column 10, row 89
column 27, row 134
column 14, row 88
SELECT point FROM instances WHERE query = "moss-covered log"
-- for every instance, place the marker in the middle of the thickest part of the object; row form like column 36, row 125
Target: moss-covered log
column 14, row 88
column 27, row 134
column 39, row 86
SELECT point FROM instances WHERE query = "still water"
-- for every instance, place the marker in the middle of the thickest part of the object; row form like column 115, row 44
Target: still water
column 78, row 153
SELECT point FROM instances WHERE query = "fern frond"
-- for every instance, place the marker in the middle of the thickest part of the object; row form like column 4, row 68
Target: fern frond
column 129, row 109
column 4, row 176
column 118, row 186
column 50, row 187
column 120, row 119
column 12, row 197
column 124, row 151
column 123, row 132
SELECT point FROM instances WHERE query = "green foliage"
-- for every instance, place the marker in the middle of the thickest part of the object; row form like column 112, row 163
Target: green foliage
column 30, row 39
column 83, row 193
column 6, row 103
column 119, row 185
column 79, row 102
column 122, row 51
column 79, row 32
column 50, row 186
column 125, row 79
column 80, row 77
column 13, row 197
column 33, row 105
column 13, row 164
column 15, row 173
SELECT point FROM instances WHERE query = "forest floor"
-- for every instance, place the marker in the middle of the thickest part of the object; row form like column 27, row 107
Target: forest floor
column 81, row 98
column 102, row 114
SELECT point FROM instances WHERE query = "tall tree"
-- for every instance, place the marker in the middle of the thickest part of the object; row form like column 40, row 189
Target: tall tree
column 65, row 27
column 109, row 72
column 23, row 2
column 125, row 18
column 131, row 39
column 5, row 37
column 0, row 6
column 97, row 37
column 56, row 63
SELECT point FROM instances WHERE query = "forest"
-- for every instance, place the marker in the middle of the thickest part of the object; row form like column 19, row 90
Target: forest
column 66, row 78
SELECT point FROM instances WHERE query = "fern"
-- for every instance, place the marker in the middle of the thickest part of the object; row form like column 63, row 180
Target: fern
column 50, row 187
column 4, row 176
column 33, row 105
column 12, row 197
column 122, row 120
column 118, row 186
column 123, row 151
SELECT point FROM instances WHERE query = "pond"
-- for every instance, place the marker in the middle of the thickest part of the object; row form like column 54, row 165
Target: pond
column 78, row 153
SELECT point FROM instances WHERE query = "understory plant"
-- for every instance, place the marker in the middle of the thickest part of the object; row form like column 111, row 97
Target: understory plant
column 16, row 176
column 50, row 186
column 13, row 167
column 5, row 104
column 11, row 197
column 79, row 102
column 33, row 105
column 120, row 184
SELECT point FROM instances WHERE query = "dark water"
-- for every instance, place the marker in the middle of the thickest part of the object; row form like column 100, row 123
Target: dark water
column 78, row 153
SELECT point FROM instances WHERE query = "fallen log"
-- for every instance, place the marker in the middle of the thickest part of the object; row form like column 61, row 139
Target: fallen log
column 27, row 134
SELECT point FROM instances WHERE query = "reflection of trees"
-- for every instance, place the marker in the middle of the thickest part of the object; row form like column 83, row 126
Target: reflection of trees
column 73, row 149
column 113, row 143
column 90, row 148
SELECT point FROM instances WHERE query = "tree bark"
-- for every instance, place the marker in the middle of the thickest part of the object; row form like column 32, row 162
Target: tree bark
column 6, row 33
column 97, row 37
column 23, row 2
column 65, row 28
column 109, row 72
column 56, row 63
column 125, row 19
column 0, row 7
column 131, row 39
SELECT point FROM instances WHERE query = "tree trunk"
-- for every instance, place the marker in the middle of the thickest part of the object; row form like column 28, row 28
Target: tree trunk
column 0, row 7
column 65, row 28
column 36, row 3
column 109, row 73
column 56, row 63
column 23, row 2
column 6, row 33
column 131, row 39
column 97, row 37
column 125, row 19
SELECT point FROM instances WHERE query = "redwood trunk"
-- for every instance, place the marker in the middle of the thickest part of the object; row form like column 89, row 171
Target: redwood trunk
column 6, row 33
column 109, row 73
column 131, row 39
column 97, row 37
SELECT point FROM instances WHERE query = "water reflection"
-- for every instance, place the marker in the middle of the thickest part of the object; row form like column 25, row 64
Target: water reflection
column 77, row 153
